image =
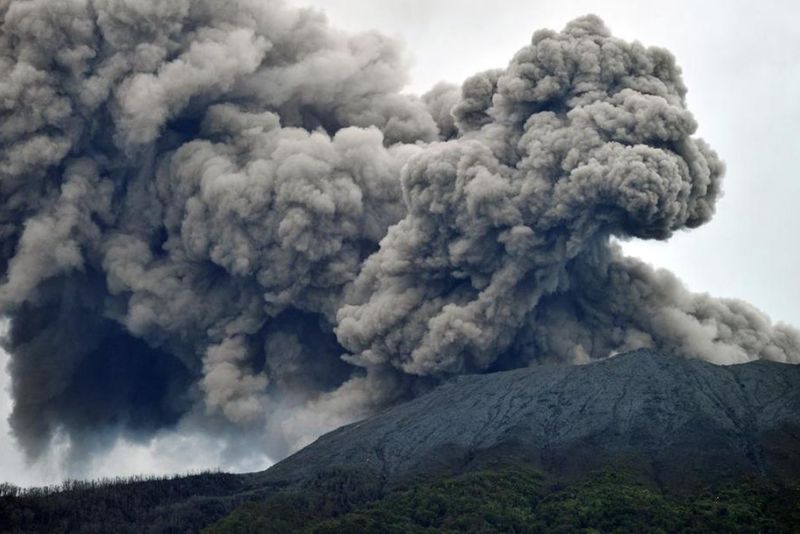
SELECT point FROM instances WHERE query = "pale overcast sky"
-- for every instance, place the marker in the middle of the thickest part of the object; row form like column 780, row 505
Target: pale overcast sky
column 741, row 63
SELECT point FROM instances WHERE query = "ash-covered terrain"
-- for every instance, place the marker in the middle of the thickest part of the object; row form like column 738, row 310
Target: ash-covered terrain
column 674, row 426
column 674, row 419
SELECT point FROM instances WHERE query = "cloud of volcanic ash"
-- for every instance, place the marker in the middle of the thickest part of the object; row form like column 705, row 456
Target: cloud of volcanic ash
column 230, row 214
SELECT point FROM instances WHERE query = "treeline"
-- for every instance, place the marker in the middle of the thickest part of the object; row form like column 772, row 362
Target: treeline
column 523, row 501
column 11, row 490
column 132, row 504
column 517, row 499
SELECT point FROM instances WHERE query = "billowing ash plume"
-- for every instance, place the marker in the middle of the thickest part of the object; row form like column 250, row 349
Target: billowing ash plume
column 228, row 211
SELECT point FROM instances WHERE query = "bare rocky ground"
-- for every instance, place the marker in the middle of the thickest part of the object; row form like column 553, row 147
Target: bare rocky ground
column 674, row 420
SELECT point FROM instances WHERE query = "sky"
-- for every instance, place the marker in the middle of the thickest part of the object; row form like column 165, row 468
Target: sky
column 743, row 73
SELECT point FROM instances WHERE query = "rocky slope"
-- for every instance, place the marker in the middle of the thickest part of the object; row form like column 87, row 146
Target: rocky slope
column 677, row 426
column 672, row 419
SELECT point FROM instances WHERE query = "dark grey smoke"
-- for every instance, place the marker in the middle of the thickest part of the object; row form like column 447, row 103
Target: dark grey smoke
column 228, row 211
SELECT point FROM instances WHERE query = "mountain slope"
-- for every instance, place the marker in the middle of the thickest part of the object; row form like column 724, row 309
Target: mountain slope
column 676, row 420
column 677, row 429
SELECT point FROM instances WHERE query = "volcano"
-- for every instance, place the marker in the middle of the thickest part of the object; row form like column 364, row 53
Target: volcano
column 674, row 420
column 678, row 429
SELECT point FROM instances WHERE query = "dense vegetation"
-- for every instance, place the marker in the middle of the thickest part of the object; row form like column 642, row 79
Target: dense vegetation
column 166, row 504
column 499, row 500
column 522, row 501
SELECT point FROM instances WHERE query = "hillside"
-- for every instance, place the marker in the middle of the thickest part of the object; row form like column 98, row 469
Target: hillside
column 674, row 420
column 522, row 500
column 640, row 437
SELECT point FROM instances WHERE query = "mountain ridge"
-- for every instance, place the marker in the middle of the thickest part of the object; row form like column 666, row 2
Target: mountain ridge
column 686, row 439
column 640, row 406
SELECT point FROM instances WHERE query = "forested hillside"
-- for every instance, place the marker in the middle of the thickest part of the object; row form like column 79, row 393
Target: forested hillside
column 505, row 499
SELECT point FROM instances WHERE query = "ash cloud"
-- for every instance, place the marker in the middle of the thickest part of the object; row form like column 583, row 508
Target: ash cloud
column 231, row 214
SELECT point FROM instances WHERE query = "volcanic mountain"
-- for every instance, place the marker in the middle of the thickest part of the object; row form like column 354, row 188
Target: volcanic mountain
column 674, row 424
column 673, row 419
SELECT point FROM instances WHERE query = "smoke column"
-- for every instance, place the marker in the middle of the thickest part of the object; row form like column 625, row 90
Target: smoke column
column 228, row 212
